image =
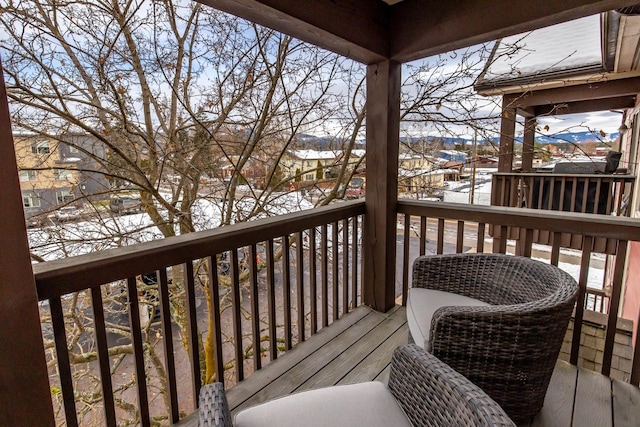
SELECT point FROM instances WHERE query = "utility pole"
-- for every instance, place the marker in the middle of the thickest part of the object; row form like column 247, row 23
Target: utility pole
column 473, row 163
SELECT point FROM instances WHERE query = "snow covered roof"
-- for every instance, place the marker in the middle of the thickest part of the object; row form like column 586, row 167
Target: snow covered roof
column 569, row 47
column 315, row 155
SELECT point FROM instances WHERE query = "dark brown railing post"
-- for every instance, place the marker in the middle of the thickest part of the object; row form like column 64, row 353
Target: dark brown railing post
column 25, row 396
column 383, row 136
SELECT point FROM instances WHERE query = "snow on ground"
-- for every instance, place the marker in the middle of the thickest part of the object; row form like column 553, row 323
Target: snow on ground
column 82, row 237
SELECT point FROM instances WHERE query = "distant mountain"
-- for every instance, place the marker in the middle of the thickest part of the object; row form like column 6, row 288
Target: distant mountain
column 576, row 137
column 306, row 141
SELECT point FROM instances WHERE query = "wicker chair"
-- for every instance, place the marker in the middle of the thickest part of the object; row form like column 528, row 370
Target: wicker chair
column 422, row 391
column 506, row 334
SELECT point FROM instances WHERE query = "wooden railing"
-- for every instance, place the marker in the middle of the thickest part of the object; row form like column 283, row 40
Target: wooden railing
column 233, row 299
column 228, row 301
column 436, row 228
column 603, row 194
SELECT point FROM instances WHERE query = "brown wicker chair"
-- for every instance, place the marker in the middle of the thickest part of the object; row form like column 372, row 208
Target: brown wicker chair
column 508, row 340
column 424, row 391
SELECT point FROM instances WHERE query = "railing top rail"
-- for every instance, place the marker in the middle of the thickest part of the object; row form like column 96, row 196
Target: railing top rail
column 616, row 177
column 621, row 228
column 62, row 276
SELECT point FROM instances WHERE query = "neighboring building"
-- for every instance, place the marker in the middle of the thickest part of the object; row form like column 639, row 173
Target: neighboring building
column 453, row 156
column 411, row 161
column 421, row 182
column 54, row 173
column 310, row 165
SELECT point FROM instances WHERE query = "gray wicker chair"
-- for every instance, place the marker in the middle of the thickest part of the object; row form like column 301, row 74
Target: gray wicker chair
column 508, row 340
column 424, row 391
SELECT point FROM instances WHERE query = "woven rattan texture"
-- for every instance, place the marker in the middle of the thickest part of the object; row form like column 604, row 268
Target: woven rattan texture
column 430, row 393
column 509, row 349
column 433, row 394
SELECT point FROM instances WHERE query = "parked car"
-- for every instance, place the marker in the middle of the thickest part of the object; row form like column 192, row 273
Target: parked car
column 67, row 213
column 125, row 205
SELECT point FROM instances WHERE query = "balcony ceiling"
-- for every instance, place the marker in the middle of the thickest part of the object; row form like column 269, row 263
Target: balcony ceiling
column 371, row 31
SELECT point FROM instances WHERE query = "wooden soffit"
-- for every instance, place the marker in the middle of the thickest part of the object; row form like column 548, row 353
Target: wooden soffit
column 599, row 96
column 370, row 31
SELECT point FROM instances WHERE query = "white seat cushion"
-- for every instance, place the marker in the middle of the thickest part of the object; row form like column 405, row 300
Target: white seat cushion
column 365, row 404
column 423, row 303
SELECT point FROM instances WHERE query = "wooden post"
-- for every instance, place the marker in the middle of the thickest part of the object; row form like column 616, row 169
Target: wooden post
column 507, row 134
column 25, row 397
column 528, row 143
column 383, row 139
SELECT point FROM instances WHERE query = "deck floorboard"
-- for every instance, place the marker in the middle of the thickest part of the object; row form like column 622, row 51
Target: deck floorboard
column 358, row 348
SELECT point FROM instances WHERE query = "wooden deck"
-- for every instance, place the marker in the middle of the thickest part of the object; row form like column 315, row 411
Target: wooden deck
column 358, row 348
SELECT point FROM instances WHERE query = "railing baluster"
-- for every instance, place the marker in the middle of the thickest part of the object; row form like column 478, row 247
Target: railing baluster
column 286, row 291
column 563, row 184
column 541, row 192
column 530, row 181
column 324, row 277
column 423, row 235
column 614, row 305
column 255, row 306
column 585, row 195
column 138, row 351
column 500, row 241
column 587, row 243
column 354, row 262
column 460, row 237
column 64, row 364
column 552, row 183
column 300, row 285
column 103, row 357
column 167, row 333
column 345, row 266
column 611, row 188
column 216, row 324
column 574, row 191
column 596, row 202
column 192, row 330
column 481, row 233
column 313, row 281
column 440, row 246
column 555, row 248
column 237, row 313
column 271, row 301
column 334, row 250
column 405, row 258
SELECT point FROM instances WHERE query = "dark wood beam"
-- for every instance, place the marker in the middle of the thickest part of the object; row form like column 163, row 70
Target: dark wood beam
column 357, row 29
column 383, row 141
column 569, row 94
column 25, row 396
column 616, row 103
column 421, row 28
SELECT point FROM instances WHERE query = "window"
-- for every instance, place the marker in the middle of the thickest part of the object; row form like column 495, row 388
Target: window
column 27, row 175
column 308, row 164
column 309, row 177
column 40, row 147
column 63, row 196
column 31, row 201
column 63, row 174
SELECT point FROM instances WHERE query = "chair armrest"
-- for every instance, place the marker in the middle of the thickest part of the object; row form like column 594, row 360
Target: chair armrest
column 214, row 409
column 431, row 393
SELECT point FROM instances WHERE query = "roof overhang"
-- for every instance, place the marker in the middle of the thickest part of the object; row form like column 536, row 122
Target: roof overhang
column 371, row 31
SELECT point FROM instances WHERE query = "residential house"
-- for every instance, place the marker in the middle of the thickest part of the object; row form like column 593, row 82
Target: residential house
column 312, row 165
column 47, row 180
